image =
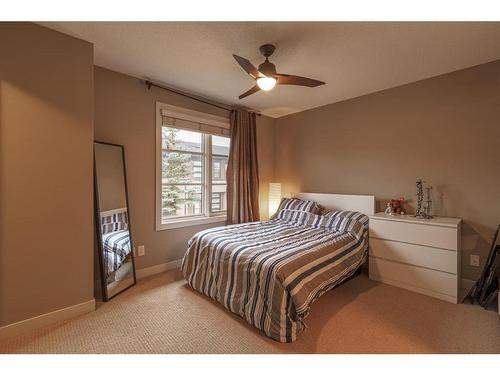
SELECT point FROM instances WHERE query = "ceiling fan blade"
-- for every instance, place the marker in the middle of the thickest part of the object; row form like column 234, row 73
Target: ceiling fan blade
column 253, row 90
column 285, row 79
column 248, row 67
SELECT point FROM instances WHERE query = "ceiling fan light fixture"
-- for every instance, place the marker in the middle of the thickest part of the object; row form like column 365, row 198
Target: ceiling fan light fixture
column 266, row 83
column 266, row 76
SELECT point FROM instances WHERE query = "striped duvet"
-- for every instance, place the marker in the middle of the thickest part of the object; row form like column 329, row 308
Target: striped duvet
column 116, row 248
column 270, row 272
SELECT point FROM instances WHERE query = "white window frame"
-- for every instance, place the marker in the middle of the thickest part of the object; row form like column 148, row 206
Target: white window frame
column 194, row 116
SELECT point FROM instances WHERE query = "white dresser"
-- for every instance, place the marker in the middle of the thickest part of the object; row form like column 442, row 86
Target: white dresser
column 417, row 254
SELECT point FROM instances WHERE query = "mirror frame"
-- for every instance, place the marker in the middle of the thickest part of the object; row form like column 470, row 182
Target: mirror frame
column 98, row 229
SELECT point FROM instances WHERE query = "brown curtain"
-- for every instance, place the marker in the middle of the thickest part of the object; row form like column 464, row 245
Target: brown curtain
column 242, row 169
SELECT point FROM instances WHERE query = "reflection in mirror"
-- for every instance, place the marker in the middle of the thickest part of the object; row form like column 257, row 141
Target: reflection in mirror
column 113, row 231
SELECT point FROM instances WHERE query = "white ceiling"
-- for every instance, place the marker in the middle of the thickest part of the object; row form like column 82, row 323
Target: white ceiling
column 353, row 58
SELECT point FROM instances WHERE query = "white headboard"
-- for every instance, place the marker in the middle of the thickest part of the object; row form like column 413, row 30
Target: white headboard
column 114, row 211
column 360, row 203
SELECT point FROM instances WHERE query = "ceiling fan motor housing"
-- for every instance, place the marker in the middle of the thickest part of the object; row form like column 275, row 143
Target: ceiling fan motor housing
column 267, row 68
column 267, row 49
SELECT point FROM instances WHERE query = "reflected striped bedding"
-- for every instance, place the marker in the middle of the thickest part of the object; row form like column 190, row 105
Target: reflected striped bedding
column 270, row 272
column 116, row 248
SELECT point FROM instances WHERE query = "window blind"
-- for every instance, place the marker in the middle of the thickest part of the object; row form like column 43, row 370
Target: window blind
column 210, row 127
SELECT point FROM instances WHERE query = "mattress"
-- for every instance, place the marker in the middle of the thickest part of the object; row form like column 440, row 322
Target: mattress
column 270, row 272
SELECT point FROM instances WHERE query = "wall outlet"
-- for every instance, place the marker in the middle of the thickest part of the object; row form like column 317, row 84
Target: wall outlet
column 141, row 250
column 474, row 260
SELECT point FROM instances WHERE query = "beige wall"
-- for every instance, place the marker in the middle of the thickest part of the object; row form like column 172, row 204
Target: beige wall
column 46, row 114
column 125, row 114
column 445, row 130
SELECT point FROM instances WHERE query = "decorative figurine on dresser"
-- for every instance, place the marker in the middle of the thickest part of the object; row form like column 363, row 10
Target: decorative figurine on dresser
column 395, row 207
column 423, row 211
column 418, row 252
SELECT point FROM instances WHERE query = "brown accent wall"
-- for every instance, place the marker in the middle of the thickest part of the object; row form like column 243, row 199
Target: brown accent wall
column 125, row 114
column 445, row 130
column 46, row 119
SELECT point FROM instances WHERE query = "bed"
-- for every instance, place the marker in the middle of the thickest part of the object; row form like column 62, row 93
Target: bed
column 270, row 272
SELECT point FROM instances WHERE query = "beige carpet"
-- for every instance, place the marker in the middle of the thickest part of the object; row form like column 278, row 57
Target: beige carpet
column 163, row 315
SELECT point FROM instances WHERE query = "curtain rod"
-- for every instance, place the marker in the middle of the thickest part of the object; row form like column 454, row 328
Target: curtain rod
column 228, row 108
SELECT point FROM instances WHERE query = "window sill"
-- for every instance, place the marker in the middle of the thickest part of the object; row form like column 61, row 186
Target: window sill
column 181, row 223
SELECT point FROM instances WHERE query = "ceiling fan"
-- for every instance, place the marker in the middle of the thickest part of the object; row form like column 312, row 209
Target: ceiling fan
column 266, row 76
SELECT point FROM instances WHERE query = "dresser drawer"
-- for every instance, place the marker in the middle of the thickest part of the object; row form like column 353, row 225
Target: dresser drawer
column 421, row 234
column 418, row 255
column 410, row 277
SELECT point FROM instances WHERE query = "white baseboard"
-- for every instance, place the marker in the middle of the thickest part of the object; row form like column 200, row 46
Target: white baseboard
column 40, row 321
column 159, row 268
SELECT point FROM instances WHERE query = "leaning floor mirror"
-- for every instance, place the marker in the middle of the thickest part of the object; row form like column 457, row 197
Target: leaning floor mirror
column 114, row 255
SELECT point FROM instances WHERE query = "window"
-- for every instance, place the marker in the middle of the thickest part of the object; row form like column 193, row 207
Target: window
column 220, row 155
column 191, row 168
